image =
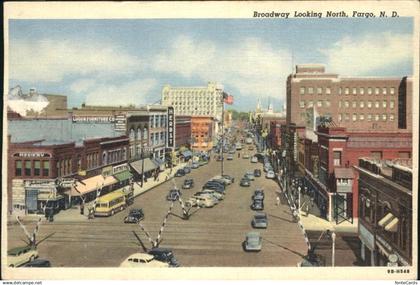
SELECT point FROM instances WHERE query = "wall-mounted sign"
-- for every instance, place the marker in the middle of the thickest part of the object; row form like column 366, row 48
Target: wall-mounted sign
column 171, row 127
column 65, row 182
column 107, row 171
column 32, row 154
column 120, row 123
column 120, row 168
column 40, row 183
column 93, row 119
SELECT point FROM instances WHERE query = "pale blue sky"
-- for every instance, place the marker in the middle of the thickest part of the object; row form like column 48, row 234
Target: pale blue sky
column 128, row 61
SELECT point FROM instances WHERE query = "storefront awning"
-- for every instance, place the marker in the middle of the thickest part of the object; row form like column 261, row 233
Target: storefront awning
column 392, row 226
column 148, row 165
column 123, row 175
column 158, row 161
column 385, row 220
column 92, row 184
column 186, row 153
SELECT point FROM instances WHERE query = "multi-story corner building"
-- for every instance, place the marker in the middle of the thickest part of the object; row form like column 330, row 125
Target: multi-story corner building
column 386, row 211
column 328, row 165
column 195, row 101
column 202, row 129
column 375, row 104
column 35, row 169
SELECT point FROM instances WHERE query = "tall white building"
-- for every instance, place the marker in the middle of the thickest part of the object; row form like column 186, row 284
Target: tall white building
column 195, row 101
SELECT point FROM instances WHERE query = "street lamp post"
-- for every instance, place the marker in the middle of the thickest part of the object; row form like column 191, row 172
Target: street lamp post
column 299, row 200
column 333, row 249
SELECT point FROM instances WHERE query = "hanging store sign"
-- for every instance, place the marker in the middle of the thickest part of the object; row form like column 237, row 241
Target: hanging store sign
column 93, row 119
column 31, row 154
column 120, row 123
column 171, row 127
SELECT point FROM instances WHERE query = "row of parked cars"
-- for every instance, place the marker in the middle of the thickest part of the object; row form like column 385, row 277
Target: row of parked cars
column 212, row 192
column 249, row 176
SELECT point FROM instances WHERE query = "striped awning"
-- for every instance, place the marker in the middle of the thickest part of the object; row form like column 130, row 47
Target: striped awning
column 385, row 220
column 92, row 184
column 392, row 226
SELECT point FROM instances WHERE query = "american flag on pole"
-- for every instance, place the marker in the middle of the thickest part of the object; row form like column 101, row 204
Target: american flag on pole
column 228, row 99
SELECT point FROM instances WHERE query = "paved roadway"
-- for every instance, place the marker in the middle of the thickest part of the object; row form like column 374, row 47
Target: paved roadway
column 211, row 237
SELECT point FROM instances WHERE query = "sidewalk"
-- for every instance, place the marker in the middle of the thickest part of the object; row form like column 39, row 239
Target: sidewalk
column 73, row 214
column 314, row 223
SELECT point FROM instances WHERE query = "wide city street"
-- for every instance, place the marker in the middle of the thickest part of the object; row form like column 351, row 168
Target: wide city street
column 210, row 237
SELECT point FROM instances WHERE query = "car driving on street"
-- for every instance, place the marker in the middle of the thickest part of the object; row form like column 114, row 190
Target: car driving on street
column 253, row 241
column 180, row 172
column 134, row 216
column 257, row 172
column 258, row 195
column 164, row 255
column 254, row 159
column 173, row 195
column 20, row 255
column 259, row 221
column 245, row 182
column 188, row 184
column 142, row 260
column 270, row 174
column 257, row 205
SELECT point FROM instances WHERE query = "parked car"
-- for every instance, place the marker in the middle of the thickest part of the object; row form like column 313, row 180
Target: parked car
column 222, row 179
column 217, row 183
column 173, row 195
column 134, row 216
column 253, row 241
column 229, row 157
column 232, row 179
column 219, row 196
column 259, row 221
column 208, row 193
column 254, row 159
column 257, row 172
column 257, row 205
column 216, row 188
column 250, row 147
column 188, row 184
column 219, row 158
column 270, row 174
column 232, row 151
column 164, row 255
column 201, row 201
column 258, row 194
column 195, row 165
column 245, row 156
column 187, row 169
column 250, row 175
column 142, row 260
column 180, row 172
column 245, row 182
column 20, row 255
column 38, row 263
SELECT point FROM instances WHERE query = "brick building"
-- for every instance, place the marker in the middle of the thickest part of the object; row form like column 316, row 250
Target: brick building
column 183, row 131
column 386, row 211
column 37, row 166
column 378, row 104
column 328, row 165
column 202, row 129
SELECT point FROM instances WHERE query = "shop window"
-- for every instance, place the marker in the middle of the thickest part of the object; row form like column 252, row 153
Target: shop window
column 37, row 168
column 46, row 168
column 18, row 168
column 27, row 168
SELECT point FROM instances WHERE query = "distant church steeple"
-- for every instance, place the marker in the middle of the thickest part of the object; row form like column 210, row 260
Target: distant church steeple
column 270, row 107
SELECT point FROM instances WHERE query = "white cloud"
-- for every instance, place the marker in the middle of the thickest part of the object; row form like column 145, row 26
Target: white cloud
column 52, row 60
column 82, row 85
column 250, row 66
column 128, row 92
column 369, row 53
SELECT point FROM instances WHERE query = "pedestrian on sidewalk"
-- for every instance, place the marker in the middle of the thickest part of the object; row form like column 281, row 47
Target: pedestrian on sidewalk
column 82, row 209
column 277, row 200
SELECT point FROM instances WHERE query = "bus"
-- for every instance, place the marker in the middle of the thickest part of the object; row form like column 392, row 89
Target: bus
column 111, row 203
